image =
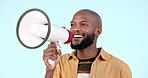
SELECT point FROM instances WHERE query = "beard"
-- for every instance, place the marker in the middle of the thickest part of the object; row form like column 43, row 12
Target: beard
column 89, row 40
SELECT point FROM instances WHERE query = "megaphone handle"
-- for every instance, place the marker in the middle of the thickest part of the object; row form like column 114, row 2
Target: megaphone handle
column 51, row 62
column 59, row 44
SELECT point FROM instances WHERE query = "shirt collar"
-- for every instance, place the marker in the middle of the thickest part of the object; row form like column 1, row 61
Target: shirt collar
column 102, row 55
column 73, row 55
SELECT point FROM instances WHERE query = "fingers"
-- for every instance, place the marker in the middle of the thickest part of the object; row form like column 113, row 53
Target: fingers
column 50, row 55
column 47, row 56
column 53, row 48
column 59, row 52
column 52, row 45
column 51, row 52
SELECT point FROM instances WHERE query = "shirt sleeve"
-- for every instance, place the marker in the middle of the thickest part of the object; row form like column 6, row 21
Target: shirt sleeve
column 125, row 72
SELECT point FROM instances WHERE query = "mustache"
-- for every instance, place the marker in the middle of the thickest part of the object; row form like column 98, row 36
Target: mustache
column 83, row 35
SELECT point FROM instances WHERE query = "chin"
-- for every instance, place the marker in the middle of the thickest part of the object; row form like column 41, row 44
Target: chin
column 75, row 43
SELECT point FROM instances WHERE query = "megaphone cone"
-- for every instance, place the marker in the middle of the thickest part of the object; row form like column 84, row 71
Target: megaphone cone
column 34, row 29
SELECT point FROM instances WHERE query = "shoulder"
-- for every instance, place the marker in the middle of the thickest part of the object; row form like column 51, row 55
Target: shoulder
column 116, row 62
column 68, row 56
column 65, row 56
column 121, row 66
column 113, row 63
column 110, row 58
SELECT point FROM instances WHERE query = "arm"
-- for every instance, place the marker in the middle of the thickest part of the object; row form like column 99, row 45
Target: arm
column 125, row 72
column 49, row 73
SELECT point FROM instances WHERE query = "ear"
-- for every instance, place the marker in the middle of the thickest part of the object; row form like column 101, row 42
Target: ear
column 98, row 31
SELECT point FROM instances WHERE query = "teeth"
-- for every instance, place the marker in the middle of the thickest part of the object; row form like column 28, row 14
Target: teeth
column 77, row 36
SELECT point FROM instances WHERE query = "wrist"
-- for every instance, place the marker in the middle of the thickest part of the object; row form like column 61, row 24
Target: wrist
column 49, row 70
column 49, row 73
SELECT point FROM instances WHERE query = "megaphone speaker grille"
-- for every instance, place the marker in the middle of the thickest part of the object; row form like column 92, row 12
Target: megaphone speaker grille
column 32, row 17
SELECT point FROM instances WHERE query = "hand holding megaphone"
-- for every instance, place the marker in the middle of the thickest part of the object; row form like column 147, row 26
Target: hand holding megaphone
column 51, row 55
column 54, row 52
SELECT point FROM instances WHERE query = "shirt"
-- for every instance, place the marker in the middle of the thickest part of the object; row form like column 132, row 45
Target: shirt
column 104, row 66
column 84, row 67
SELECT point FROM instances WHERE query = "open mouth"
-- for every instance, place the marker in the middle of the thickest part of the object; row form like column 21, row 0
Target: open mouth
column 78, row 36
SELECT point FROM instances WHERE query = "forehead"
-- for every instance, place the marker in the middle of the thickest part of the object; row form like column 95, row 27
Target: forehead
column 83, row 15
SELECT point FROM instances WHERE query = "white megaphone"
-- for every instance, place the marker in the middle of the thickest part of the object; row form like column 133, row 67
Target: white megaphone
column 34, row 29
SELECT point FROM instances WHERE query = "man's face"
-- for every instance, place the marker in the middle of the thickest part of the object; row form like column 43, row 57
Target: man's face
column 83, row 28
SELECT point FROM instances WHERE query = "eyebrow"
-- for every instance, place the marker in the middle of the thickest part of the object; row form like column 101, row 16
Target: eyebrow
column 83, row 21
column 80, row 21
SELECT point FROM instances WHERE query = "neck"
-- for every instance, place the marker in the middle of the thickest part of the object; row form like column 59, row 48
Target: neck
column 88, row 52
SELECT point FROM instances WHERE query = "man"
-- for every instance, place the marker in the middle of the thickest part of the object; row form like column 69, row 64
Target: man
column 87, row 61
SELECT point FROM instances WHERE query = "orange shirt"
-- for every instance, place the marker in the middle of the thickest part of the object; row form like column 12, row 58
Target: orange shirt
column 104, row 66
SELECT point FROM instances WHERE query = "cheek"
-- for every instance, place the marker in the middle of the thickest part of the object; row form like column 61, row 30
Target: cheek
column 71, row 30
column 89, row 31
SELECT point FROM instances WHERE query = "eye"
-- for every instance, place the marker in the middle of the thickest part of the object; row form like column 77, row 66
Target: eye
column 84, row 24
column 72, row 24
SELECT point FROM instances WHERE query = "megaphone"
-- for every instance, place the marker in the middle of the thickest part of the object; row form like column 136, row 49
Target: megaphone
column 34, row 29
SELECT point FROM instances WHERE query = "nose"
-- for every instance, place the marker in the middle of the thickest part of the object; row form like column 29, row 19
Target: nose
column 75, row 29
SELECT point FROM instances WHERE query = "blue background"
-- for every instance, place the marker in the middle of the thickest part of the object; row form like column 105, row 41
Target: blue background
column 125, row 29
